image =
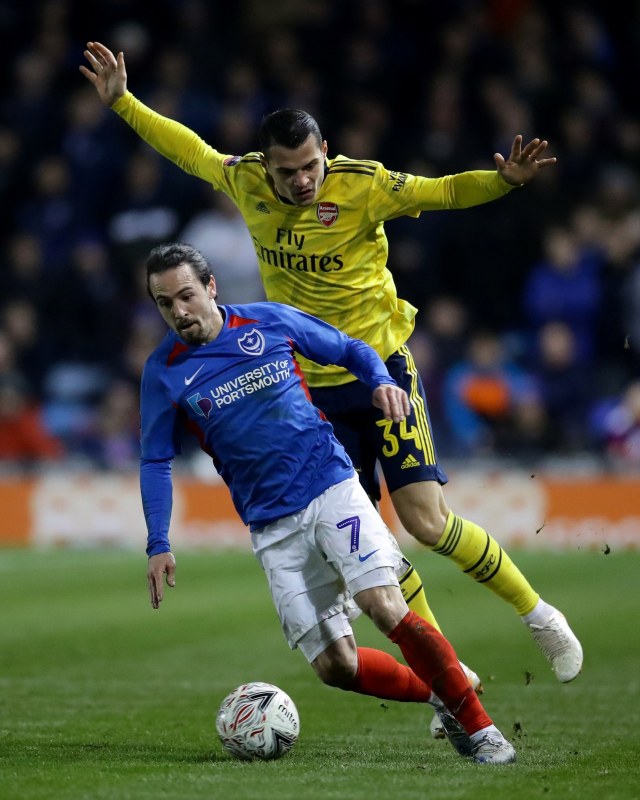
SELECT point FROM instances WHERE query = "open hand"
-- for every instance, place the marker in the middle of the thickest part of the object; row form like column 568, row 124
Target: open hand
column 523, row 163
column 107, row 73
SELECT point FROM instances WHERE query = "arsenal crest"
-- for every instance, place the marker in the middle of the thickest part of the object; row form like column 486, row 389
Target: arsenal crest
column 327, row 213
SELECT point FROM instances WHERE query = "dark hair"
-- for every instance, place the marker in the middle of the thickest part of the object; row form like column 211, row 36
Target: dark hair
column 288, row 127
column 171, row 256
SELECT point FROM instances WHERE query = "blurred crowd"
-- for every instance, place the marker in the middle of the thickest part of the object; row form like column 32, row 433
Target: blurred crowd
column 528, row 332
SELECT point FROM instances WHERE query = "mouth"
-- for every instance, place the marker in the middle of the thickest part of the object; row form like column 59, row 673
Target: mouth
column 305, row 196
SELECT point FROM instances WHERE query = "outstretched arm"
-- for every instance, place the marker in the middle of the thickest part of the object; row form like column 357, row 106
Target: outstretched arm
column 171, row 139
column 523, row 163
column 108, row 73
column 475, row 187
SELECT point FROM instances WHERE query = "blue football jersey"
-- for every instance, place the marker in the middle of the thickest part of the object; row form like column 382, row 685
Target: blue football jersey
column 245, row 398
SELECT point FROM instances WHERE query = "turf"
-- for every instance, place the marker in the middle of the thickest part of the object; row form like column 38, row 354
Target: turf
column 104, row 698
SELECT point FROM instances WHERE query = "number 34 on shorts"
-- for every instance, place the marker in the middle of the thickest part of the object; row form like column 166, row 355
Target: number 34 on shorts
column 393, row 438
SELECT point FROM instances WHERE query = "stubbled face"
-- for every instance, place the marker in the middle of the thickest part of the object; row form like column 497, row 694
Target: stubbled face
column 187, row 306
column 297, row 173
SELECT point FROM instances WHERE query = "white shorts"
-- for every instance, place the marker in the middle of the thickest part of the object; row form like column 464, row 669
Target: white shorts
column 318, row 559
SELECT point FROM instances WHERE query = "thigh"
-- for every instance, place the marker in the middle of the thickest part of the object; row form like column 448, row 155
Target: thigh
column 354, row 538
column 328, row 642
column 306, row 588
column 422, row 509
column 406, row 450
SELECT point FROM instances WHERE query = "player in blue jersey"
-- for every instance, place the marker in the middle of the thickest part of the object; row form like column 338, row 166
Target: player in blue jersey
column 230, row 374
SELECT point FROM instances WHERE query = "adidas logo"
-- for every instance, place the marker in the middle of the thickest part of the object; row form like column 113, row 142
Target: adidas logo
column 409, row 462
column 262, row 208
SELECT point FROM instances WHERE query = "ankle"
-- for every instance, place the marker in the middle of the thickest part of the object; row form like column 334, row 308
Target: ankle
column 475, row 737
column 540, row 613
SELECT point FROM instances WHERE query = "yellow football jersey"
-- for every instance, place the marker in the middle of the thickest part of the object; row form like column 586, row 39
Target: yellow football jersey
column 329, row 258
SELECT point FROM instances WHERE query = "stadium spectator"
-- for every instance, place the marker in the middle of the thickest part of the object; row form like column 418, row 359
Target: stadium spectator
column 616, row 422
column 25, row 441
column 566, row 287
column 113, row 440
column 88, row 145
column 484, row 396
column 566, row 386
column 10, row 174
column 220, row 234
column 631, row 312
column 33, row 352
column 85, row 316
column 616, row 222
column 444, row 324
column 53, row 213
column 22, row 273
column 142, row 214
column 7, row 356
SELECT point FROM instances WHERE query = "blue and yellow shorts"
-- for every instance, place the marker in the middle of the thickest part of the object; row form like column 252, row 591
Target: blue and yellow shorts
column 406, row 451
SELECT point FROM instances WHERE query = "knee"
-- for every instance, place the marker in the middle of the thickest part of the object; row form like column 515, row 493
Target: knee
column 339, row 670
column 384, row 605
column 426, row 528
column 422, row 512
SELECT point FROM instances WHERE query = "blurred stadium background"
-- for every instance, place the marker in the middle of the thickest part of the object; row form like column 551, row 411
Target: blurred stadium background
column 528, row 332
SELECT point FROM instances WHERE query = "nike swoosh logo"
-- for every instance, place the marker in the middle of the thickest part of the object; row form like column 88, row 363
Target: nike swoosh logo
column 189, row 381
column 364, row 558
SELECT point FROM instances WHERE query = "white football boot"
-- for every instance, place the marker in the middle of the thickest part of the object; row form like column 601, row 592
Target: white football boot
column 557, row 641
column 490, row 747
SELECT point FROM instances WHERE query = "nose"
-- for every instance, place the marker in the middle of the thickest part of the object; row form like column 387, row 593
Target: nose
column 300, row 179
column 179, row 310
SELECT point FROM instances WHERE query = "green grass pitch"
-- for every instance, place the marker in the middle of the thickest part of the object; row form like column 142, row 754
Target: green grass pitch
column 105, row 699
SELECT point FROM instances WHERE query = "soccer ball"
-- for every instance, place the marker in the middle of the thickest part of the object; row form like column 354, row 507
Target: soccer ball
column 257, row 720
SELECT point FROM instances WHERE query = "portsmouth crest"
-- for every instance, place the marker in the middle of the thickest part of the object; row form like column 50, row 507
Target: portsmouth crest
column 252, row 343
column 327, row 213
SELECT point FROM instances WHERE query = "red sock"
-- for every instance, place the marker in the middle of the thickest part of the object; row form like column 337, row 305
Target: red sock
column 380, row 675
column 433, row 660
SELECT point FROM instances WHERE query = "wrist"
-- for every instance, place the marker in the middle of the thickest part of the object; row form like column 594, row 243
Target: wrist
column 505, row 182
column 120, row 101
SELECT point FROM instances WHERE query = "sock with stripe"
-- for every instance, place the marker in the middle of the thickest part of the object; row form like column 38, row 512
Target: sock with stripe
column 414, row 595
column 434, row 661
column 380, row 675
column 479, row 555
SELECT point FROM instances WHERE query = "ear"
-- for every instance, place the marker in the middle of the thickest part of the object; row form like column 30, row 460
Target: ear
column 324, row 148
column 212, row 291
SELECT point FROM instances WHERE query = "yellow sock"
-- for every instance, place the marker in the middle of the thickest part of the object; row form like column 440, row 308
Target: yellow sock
column 414, row 594
column 480, row 556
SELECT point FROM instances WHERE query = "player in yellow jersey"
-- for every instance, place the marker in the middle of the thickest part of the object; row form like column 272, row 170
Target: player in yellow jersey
column 318, row 229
